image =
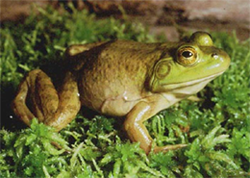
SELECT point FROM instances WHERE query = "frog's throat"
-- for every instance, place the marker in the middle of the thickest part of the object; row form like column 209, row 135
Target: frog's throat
column 193, row 86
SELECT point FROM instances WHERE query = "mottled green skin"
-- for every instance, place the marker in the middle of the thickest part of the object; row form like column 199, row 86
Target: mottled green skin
column 123, row 78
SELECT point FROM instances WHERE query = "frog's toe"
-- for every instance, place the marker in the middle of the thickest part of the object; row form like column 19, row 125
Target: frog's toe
column 168, row 148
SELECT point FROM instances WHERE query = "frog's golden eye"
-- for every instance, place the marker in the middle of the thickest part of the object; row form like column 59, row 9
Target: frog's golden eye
column 186, row 56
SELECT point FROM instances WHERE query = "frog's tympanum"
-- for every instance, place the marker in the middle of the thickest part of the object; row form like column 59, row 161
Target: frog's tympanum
column 123, row 79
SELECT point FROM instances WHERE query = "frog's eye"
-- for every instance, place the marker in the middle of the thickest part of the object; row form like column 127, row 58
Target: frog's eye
column 202, row 39
column 186, row 56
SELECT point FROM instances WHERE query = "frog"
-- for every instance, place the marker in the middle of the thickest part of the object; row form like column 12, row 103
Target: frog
column 123, row 79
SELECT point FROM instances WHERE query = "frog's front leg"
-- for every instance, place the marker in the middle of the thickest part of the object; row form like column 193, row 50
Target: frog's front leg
column 53, row 108
column 136, row 130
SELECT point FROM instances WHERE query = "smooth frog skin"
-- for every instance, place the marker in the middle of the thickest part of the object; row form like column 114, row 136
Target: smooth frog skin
column 123, row 78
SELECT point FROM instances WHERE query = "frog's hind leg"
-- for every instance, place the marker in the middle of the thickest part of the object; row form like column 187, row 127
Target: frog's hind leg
column 47, row 105
column 19, row 104
column 69, row 104
column 33, row 89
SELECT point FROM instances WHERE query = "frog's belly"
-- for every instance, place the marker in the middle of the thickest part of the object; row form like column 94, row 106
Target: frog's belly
column 117, row 106
column 110, row 96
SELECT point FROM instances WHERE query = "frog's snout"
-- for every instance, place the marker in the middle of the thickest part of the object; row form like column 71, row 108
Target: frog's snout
column 222, row 58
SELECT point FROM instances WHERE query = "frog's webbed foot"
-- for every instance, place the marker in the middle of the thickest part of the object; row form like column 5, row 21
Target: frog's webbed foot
column 137, row 132
column 195, row 98
column 165, row 148
column 47, row 105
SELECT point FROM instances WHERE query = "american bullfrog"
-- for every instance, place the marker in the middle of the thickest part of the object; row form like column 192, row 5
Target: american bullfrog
column 123, row 79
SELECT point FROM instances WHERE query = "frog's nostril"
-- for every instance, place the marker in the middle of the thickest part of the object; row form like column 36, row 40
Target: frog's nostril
column 215, row 55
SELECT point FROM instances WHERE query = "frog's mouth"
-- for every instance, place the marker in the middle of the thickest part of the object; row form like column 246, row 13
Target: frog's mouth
column 190, row 87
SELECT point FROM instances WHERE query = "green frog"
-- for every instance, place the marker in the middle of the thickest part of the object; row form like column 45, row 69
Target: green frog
column 122, row 78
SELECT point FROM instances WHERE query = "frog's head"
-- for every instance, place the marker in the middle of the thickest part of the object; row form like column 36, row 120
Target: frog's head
column 189, row 66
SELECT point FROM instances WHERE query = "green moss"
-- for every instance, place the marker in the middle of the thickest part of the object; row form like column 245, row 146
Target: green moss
column 216, row 129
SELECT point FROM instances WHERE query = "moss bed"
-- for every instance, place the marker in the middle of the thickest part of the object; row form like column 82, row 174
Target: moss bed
column 216, row 129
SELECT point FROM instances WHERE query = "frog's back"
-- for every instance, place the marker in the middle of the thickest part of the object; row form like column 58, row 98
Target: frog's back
column 120, row 59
